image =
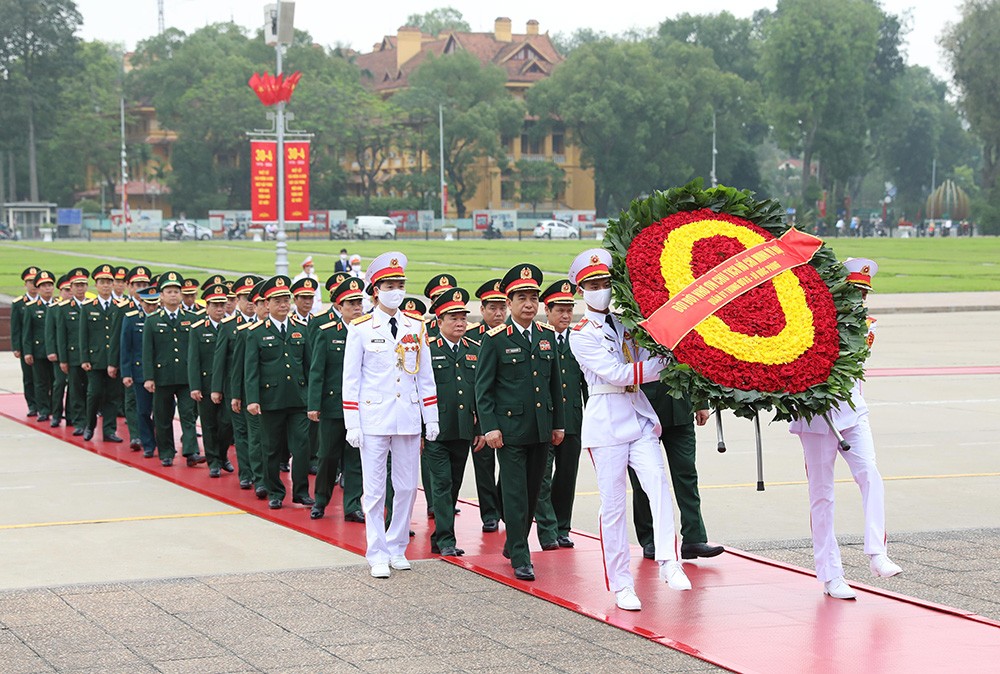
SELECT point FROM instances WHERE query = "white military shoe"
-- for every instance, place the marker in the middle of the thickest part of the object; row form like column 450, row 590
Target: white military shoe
column 380, row 571
column 400, row 563
column 883, row 567
column 839, row 589
column 627, row 600
column 673, row 575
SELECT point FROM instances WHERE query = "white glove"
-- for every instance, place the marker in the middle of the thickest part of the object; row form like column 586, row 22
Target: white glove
column 355, row 438
column 432, row 431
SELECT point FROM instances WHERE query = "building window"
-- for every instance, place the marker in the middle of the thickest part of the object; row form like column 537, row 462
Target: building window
column 558, row 143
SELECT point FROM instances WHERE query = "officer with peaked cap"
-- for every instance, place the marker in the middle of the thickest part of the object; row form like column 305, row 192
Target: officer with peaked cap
column 189, row 296
column 434, row 288
column 69, row 351
column 620, row 428
column 520, row 406
column 136, row 279
column 325, row 401
column 133, row 324
column 118, row 287
column 16, row 321
column 276, row 368
column 554, row 512
column 388, row 391
column 821, row 447
column 201, row 355
column 36, row 354
column 52, row 349
column 237, row 383
column 303, row 298
column 454, row 359
column 165, row 341
column 95, row 344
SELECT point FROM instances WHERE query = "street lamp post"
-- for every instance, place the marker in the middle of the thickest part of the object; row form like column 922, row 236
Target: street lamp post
column 279, row 32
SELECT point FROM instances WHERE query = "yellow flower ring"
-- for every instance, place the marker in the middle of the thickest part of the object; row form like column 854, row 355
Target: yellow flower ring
column 779, row 337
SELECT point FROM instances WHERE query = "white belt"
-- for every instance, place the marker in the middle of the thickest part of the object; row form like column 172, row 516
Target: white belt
column 600, row 389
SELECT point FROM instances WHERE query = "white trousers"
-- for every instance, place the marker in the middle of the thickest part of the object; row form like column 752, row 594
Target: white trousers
column 820, row 450
column 611, row 463
column 405, row 453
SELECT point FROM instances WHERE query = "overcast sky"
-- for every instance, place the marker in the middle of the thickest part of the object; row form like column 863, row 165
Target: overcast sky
column 362, row 25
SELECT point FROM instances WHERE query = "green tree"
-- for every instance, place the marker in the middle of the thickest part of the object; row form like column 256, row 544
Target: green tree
column 37, row 48
column 972, row 45
column 440, row 20
column 539, row 181
column 478, row 111
column 375, row 129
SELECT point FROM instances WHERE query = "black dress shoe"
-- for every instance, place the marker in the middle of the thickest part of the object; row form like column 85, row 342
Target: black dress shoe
column 316, row 512
column 228, row 466
column 451, row 551
column 692, row 550
column 213, row 472
column 245, row 484
column 261, row 493
column 284, row 467
column 313, row 469
column 135, row 445
column 304, row 500
column 42, row 417
column 526, row 572
column 356, row 516
column 32, row 413
column 506, row 553
column 78, row 431
column 564, row 542
column 55, row 422
column 147, row 454
column 194, row 460
column 412, row 533
column 430, row 513
column 458, row 510
column 489, row 526
column 166, row 462
column 649, row 551
column 551, row 545
column 88, row 433
column 274, row 504
column 112, row 437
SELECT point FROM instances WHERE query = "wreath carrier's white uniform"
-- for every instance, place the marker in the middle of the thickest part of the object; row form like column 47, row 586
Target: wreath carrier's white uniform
column 387, row 399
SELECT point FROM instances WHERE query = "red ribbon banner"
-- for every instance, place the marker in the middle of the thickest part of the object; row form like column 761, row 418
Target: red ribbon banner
column 263, row 181
column 716, row 288
column 297, row 181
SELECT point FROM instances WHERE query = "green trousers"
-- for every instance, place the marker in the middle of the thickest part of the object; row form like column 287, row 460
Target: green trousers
column 445, row 463
column 281, row 430
column 484, row 464
column 211, row 432
column 522, row 468
column 28, row 384
column 76, row 399
column 41, row 376
column 132, row 414
column 334, row 452
column 238, row 423
column 167, row 399
column 554, row 512
column 255, row 450
column 59, row 406
column 679, row 443
column 100, row 398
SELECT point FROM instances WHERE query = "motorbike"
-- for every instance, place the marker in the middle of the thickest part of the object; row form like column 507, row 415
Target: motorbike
column 492, row 232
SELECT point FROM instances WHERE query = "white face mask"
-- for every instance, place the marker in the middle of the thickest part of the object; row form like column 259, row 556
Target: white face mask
column 598, row 299
column 391, row 299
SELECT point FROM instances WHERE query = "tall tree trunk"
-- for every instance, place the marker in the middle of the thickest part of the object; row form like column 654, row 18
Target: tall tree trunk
column 11, row 177
column 32, row 157
column 3, row 185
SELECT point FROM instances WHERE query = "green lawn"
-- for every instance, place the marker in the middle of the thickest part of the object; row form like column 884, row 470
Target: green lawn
column 905, row 265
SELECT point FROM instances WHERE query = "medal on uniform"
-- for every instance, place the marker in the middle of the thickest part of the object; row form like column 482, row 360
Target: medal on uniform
column 410, row 343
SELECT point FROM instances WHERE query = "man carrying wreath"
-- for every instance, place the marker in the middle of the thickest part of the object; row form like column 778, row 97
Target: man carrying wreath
column 620, row 429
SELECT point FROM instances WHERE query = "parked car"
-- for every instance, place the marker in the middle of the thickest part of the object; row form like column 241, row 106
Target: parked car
column 373, row 227
column 181, row 230
column 555, row 229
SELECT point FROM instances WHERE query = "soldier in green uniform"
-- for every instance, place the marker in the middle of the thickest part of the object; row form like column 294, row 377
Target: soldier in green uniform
column 136, row 279
column 201, row 354
column 189, row 297
column 96, row 326
column 52, row 349
column 119, row 284
column 276, row 367
column 432, row 291
column 36, row 354
column 678, row 439
column 303, row 297
column 70, row 352
column 228, row 307
column 520, row 406
column 416, row 308
column 133, row 324
column 238, row 384
column 493, row 307
column 554, row 512
column 223, row 363
column 454, row 358
column 165, row 340
column 16, row 323
column 325, row 401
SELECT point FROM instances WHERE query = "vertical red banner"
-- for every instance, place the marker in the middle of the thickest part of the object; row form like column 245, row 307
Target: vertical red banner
column 263, row 181
column 297, row 181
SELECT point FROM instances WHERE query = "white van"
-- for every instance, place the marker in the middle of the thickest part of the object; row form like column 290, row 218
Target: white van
column 374, row 227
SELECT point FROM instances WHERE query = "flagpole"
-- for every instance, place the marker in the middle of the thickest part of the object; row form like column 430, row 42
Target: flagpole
column 126, row 218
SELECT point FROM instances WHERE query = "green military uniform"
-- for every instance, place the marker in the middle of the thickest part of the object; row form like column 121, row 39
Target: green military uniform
column 554, row 512
column 325, row 395
column 445, row 457
column 519, row 393
column 165, row 340
column 678, row 438
column 415, row 308
column 59, row 377
column 70, row 353
column 127, row 394
column 33, row 344
column 276, row 368
column 201, row 357
column 96, row 324
column 16, row 324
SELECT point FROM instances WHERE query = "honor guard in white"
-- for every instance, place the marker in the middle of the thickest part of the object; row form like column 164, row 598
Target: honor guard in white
column 388, row 390
column 620, row 429
column 821, row 447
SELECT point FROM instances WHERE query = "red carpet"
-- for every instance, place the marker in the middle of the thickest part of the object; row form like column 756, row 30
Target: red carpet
column 746, row 613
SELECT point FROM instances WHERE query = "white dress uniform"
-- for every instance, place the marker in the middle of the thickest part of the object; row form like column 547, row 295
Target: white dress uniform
column 388, row 390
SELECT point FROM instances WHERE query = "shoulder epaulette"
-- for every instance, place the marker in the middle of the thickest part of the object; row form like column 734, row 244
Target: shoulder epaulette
column 545, row 326
column 19, row 298
column 30, row 302
column 472, row 326
column 61, row 303
column 122, row 302
column 469, row 339
column 497, row 330
column 134, row 312
column 254, row 325
column 197, row 324
column 414, row 314
column 871, row 320
column 245, row 326
column 580, row 325
column 329, row 324
column 361, row 319
column 228, row 318
column 298, row 321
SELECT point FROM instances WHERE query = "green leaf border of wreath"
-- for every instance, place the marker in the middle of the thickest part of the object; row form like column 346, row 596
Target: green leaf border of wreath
column 683, row 380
